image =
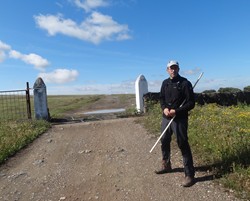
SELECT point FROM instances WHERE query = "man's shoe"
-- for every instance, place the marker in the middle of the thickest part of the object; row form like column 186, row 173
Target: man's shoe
column 189, row 181
column 166, row 168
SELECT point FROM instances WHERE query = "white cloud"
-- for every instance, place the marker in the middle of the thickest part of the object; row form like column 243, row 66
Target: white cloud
column 2, row 55
column 154, row 85
column 59, row 76
column 192, row 71
column 96, row 28
column 126, row 87
column 3, row 48
column 59, row 4
column 89, row 5
column 33, row 59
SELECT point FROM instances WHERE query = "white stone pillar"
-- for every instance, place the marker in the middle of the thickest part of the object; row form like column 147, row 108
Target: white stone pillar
column 141, row 88
column 40, row 100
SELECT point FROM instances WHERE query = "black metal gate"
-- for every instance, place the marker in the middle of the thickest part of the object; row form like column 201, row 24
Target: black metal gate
column 15, row 104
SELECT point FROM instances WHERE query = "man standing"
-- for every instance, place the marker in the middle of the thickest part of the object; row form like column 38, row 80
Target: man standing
column 174, row 91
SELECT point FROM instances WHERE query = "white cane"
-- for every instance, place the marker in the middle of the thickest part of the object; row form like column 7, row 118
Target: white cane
column 169, row 123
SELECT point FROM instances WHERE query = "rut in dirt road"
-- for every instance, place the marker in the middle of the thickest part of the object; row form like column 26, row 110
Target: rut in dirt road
column 103, row 160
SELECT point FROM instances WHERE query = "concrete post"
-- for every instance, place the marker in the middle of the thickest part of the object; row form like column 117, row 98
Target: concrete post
column 141, row 88
column 40, row 100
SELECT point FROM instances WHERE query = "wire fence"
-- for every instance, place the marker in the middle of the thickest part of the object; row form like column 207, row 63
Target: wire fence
column 15, row 104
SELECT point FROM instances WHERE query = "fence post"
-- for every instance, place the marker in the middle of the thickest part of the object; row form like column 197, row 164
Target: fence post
column 141, row 88
column 28, row 100
column 40, row 100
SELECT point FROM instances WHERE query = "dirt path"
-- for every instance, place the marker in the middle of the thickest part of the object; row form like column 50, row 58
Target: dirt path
column 103, row 160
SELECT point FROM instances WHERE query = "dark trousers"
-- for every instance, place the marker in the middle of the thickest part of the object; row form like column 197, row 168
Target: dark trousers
column 179, row 128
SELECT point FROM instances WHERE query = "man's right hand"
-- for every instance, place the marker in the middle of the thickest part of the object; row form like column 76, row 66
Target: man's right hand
column 169, row 113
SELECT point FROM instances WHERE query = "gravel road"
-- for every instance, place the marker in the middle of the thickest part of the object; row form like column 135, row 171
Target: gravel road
column 103, row 160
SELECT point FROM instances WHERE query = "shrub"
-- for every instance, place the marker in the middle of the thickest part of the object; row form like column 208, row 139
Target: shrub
column 229, row 90
column 209, row 91
column 246, row 89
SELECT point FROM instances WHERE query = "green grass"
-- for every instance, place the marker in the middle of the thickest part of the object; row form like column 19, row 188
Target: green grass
column 220, row 138
column 15, row 135
column 58, row 105
column 222, row 131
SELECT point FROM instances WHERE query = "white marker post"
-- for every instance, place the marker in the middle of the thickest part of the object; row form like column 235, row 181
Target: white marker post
column 141, row 88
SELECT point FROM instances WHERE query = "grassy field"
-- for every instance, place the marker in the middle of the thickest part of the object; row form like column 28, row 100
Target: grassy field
column 219, row 136
column 58, row 105
column 220, row 139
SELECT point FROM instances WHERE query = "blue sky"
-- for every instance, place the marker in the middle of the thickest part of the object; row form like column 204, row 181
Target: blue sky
column 102, row 46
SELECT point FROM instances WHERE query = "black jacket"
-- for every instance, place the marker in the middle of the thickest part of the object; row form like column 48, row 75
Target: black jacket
column 174, row 92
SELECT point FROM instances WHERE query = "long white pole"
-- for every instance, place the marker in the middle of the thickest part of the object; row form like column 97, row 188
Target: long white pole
column 169, row 123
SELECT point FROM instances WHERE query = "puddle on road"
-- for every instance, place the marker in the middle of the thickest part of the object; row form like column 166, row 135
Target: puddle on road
column 102, row 114
column 106, row 111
